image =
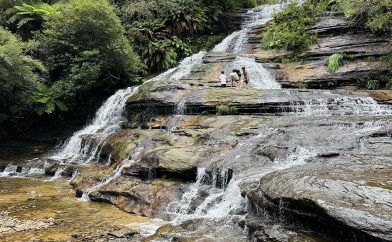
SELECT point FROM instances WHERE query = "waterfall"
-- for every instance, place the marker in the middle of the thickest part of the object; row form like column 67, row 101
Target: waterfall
column 254, row 17
column 131, row 159
column 186, row 66
column 85, row 145
column 340, row 105
column 225, row 203
column 181, row 107
column 259, row 76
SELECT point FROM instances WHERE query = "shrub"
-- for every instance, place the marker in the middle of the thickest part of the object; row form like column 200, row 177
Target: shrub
column 289, row 28
column 158, row 50
column 226, row 110
column 92, row 52
column 334, row 62
column 374, row 14
column 373, row 84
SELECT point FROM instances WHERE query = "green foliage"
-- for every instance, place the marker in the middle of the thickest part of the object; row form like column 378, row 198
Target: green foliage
column 157, row 26
column 334, row 62
column 226, row 110
column 18, row 79
column 25, row 13
column 158, row 50
column 301, row 85
column 246, row 4
column 261, row 2
column 379, row 83
column 85, row 48
column 389, row 83
column 289, row 29
column 4, row 6
column 374, row 14
column 373, row 84
column 91, row 52
column 47, row 101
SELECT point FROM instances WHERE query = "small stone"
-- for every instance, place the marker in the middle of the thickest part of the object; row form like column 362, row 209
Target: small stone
column 76, row 235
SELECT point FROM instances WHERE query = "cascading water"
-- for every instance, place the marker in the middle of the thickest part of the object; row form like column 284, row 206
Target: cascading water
column 254, row 17
column 225, row 203
column 259, row 76
column 85, row 145
column 15, row 171
column 340, row 105
column 186, row 66
column 131, row 159
column 181, row 107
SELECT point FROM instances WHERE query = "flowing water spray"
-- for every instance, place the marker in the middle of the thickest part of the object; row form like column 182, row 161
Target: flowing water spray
column 131, row 159
column 85, row 145
column 14, row 171
column 223, row 204
column 339, row 105
column 259, row 76
column 254, row 17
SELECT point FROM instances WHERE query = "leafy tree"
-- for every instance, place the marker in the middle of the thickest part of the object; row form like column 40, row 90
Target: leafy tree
column 157, row 28
column 189, row 17
column 18, row 79
column 84, row 45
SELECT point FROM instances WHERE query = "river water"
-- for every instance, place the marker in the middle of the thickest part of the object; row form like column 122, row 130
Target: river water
column 35, row 210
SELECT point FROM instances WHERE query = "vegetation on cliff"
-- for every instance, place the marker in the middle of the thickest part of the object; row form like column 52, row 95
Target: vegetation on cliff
column 293, row 29
column 289, row 30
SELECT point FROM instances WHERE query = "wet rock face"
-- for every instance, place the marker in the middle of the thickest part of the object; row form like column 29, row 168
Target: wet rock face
column 327, row 187
column 136, row 196
column 310, row 172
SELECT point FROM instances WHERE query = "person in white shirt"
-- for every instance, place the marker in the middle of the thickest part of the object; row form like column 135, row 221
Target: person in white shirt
column 223, row 79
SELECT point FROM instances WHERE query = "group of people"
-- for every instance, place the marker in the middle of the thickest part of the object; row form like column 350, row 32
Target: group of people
column 236, row 78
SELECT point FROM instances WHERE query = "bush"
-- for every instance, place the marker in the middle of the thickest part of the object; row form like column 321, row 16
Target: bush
column 289, row 28
column 334, row 62
column 85, row 46
column 374, row 14
column 226, row 110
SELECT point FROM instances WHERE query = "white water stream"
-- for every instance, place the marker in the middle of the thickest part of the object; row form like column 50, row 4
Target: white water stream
column 339, row 105
column 85, row 145
column 254, row 17
column 259, row 76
